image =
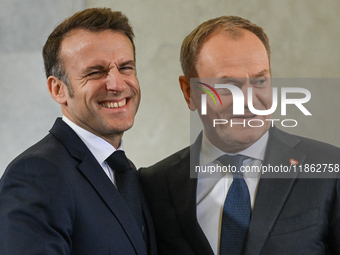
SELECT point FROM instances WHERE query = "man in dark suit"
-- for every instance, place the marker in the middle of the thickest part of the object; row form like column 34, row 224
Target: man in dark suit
column 68, row 194
column 289, row 213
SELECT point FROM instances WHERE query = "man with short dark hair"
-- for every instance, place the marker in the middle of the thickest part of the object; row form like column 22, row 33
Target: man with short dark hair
column 75, row 192
column 234, row 211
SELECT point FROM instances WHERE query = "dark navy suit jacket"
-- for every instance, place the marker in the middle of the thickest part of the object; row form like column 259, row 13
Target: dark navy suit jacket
column 291, row 215
column 56, row 199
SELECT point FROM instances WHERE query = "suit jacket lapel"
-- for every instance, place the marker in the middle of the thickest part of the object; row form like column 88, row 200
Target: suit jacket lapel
column 93, row 172
column 272, row 192
column 183, row 193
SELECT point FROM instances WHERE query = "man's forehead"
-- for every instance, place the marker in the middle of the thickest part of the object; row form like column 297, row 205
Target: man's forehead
column 84, row 50
column 236, row 57
column 81, row 39
column 79, row 36
column 238, row 38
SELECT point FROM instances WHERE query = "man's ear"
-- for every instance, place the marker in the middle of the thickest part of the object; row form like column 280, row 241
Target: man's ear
column 184, row 82
column 57, row 89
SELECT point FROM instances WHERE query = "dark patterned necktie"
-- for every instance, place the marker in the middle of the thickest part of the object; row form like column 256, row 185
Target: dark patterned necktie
column 127, row 186
column 236, row 210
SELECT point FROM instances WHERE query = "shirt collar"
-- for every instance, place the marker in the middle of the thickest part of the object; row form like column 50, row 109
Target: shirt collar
column 100, row 148
column 210, row 152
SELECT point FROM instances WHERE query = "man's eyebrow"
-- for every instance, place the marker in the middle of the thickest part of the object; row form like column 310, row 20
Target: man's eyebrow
column 227, row 79
column 262, row 73
column 259, row 74
column 129, row 62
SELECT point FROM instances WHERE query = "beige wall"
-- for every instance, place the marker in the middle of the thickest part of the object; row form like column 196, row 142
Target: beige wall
column 304, row 37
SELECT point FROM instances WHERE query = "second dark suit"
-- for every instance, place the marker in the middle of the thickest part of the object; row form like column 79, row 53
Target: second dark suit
column 56, row 199
column 290, row 216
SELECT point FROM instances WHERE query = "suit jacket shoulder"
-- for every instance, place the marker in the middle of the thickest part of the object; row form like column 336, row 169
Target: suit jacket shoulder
column 297, row 211
column 161, row 167
column 56, row 199
column 308, row 145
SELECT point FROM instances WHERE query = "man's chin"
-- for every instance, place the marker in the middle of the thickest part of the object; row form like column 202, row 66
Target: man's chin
column 238, row 139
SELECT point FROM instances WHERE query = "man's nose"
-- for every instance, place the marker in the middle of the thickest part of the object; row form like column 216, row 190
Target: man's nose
column 245, row 87
column 115, row 81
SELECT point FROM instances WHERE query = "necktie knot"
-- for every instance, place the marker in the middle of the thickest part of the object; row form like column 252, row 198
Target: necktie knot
column 118, row 161
column 235, row 161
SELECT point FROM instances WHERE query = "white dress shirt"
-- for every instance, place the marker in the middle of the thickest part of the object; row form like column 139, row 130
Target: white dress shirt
column 212, row 189
column 100, row 148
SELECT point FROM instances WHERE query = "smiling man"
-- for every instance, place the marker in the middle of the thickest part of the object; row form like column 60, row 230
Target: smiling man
column 75, row 192
column 235, row 212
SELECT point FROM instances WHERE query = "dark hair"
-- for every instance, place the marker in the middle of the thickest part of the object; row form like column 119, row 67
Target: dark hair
column 93, row 19
column 192, row 44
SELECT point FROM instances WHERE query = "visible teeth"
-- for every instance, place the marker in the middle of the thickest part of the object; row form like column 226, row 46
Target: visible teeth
column 115, row 104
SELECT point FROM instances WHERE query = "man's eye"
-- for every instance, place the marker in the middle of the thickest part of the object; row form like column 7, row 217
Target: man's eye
column 260, row 82
column 96, row 74
column 126, row 69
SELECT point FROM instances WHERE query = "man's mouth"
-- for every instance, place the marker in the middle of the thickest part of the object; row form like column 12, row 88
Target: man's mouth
column 111, row 105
